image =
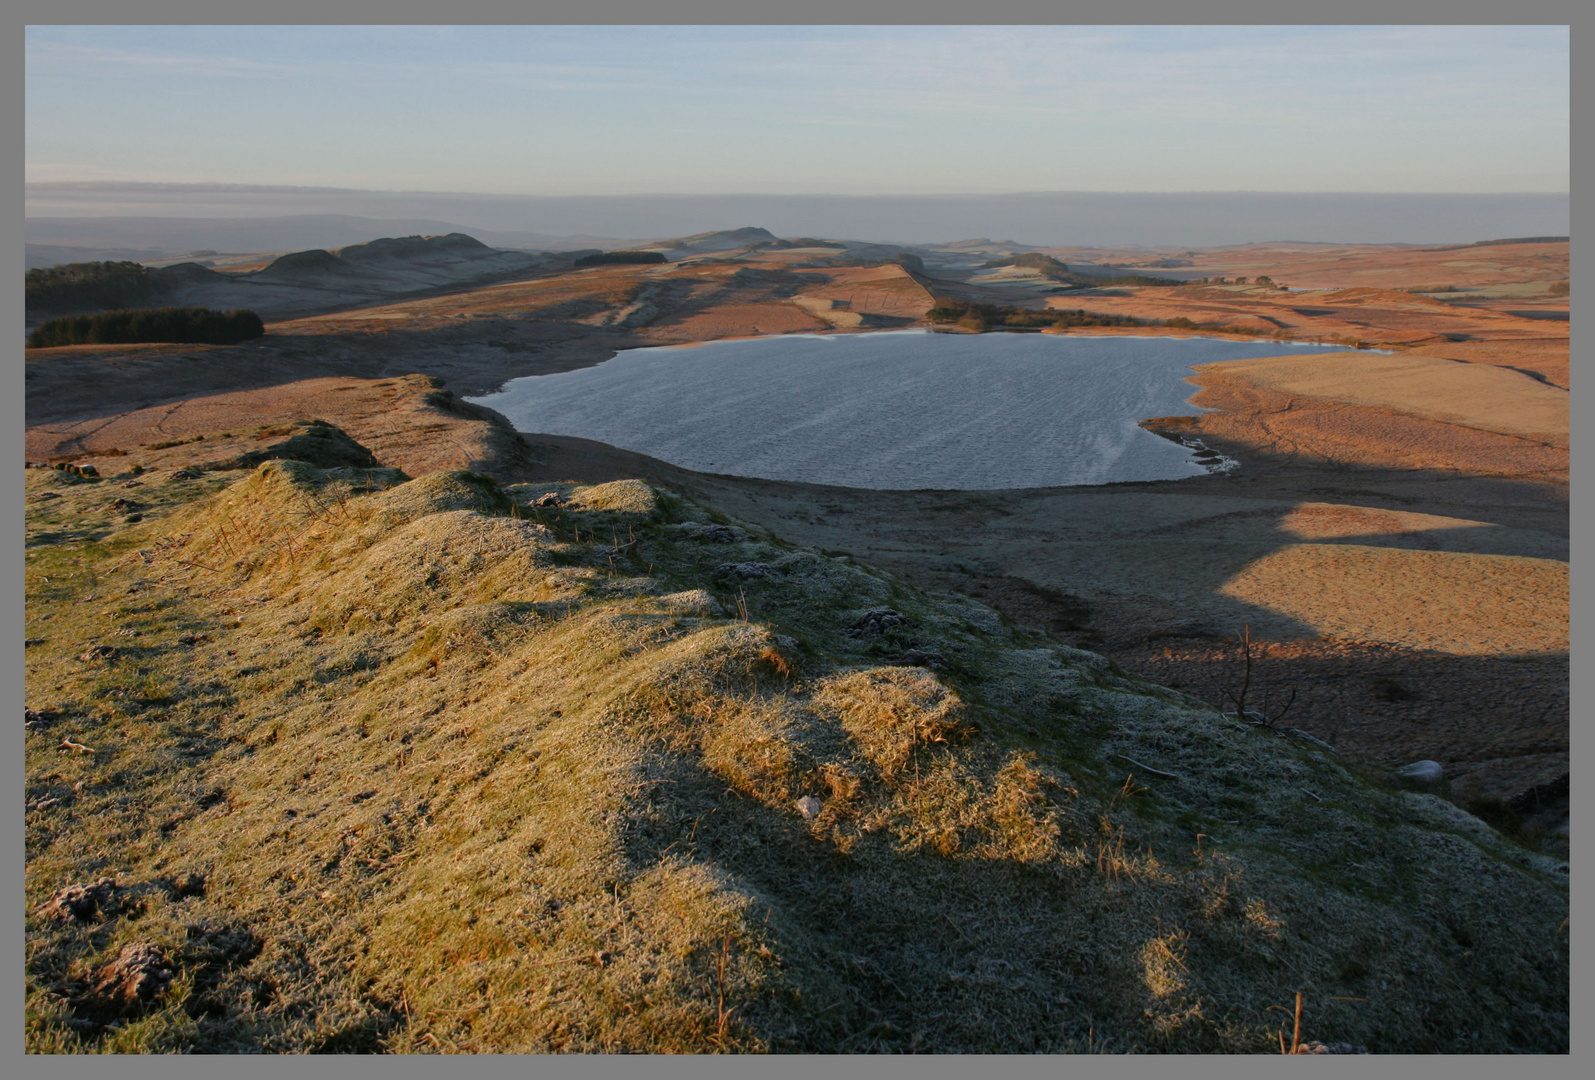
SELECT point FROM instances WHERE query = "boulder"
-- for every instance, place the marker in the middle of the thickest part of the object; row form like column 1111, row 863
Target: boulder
column 1422, row 772
column 877, row 621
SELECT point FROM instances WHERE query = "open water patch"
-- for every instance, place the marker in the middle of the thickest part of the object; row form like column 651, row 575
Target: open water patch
column 891, row 410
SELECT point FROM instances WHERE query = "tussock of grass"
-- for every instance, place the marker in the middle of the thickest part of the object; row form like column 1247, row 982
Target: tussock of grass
column 459, row 774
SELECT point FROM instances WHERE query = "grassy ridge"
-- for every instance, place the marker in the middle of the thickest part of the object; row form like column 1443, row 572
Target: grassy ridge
column 407, row 766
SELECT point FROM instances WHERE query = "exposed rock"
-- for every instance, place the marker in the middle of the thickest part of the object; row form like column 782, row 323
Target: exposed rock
column 34, row 719
column 186, row 474
column 138, row 975
column 1330, row 1048
column 97, row 652
column 551, row 499
column 877, row 621
column 809, row 807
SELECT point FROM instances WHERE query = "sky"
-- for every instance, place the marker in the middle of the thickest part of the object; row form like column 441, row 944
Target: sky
column 804, row 110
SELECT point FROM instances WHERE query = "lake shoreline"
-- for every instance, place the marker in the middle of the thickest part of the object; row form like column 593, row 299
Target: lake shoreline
column 904, row 410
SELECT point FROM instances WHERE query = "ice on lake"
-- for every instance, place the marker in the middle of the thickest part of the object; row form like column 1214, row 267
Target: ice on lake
column 901, row 409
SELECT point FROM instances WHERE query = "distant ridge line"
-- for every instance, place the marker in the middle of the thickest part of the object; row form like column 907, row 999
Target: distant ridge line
column 1525, row 240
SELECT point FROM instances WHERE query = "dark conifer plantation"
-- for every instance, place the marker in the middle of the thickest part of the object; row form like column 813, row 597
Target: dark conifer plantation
column 183, row 325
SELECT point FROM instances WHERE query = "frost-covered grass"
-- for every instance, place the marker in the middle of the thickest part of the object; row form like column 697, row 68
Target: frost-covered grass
column 459, row 774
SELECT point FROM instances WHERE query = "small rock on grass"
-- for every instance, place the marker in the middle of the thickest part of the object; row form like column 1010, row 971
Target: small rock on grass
column 1329, row 1048
column 876, row 621
column 809, row 807
column 97, row 652
column 1423, row 772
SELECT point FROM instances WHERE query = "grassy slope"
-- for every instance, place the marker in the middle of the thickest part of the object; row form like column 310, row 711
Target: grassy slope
column 455, row 779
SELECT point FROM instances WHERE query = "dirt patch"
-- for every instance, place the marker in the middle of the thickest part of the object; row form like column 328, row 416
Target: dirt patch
column 124, row 985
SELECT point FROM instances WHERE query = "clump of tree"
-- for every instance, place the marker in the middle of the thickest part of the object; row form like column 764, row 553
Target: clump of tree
column 1180, row 322
column 87, row 284
column 621, row 258
column 1053, row 270
column 973, row 316
column 135, row 325
column 1558, row 288
column 1140, row 280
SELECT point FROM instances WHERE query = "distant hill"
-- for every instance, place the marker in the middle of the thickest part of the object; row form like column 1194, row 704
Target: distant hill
column 180, row 236
column 298, row 283
column 44, row 256
column 1525, row 240
column 709, row 243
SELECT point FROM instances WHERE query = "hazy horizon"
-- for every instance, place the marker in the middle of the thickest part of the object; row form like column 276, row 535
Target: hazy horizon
column 240, row 217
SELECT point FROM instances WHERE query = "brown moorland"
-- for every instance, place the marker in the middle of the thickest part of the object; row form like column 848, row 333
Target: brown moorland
column 1396, row 542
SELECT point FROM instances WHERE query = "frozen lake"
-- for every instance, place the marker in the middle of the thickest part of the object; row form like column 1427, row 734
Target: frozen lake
column 903, row 409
